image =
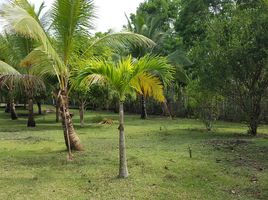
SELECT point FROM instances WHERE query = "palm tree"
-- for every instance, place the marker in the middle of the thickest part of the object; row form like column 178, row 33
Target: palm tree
column 32, row 85
column 6, row 79
column 26, row 83
column 9, row 59
column 126, row 76
column 149, row 27
column 70, row 19
column 15, row 48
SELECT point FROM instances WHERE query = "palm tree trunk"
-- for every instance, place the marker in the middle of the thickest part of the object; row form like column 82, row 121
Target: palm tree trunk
column 13, row 113
column 31, row 121
column 82, row 113
column 39, row 108
column 123, row 171
column 67, row 125
column 143, row 108
column 57, row 109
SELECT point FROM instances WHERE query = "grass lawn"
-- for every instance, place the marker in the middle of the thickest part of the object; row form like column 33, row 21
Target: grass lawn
column 225, row 164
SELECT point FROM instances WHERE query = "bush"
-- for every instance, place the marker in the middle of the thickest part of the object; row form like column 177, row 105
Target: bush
column 97, row 119
column 204, row 103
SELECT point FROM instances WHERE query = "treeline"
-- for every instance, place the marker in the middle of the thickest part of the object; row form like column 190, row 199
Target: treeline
column 222, row 46
column 218, row 50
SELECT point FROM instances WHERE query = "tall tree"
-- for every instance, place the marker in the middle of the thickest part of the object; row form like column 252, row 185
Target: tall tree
column 235, row 58
column 126, row 77
column 191, row 23
column 155, row 20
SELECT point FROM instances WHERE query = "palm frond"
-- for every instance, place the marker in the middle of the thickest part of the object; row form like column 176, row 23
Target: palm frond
column 23, row 83
column 31, row 84
column 94, row 72
column 158, row 66
column 149, row 86
column 41, row 63
column 9, row 48
column 40, row 9
column 23, row 23
column 6, row 69
column 26, row 6
column 124, row 76
column 129, row 25
column 69, row 19
column 179, row 57
column 181, row 76
column 119, row 41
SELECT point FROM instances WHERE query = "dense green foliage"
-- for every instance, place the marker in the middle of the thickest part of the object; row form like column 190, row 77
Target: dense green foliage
column 230, row 53
column 222, row 45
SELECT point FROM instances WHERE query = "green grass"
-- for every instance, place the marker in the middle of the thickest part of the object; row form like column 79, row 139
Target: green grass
column 226, row 163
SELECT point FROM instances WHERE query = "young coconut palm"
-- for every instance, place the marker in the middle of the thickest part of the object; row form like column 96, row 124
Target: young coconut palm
column 9, row 58
column 15, row 48
column 70, row 19
column 7, row 70
column 126, row 76
column 25, row 83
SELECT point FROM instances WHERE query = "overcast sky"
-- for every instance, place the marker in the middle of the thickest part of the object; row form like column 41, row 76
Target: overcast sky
column 110, row 12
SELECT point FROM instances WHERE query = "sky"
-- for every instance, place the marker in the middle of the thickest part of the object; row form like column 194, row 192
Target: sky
column 110, row 13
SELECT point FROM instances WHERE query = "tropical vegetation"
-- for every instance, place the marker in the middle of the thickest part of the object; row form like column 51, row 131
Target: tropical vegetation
column 195, row 71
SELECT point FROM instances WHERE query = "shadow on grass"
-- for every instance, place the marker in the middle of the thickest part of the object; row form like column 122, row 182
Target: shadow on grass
column 199, row 134
column 25, row 139
column 240, row 152
column 57, row 160
column 23, row 129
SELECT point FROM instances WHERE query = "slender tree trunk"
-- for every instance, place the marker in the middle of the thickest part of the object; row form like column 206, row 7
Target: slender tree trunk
column 67, row 124
column 123, row 171
column 7, row 109
column 57, row 109
column 31, row 121
column 143, row 108
column 82, row 113
column 253, row 111
column 39, row 108
column 253, row 126
column 171, row 109
column 165, row 109
column 254, row 120
column 13, row 113
column 172, row 101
